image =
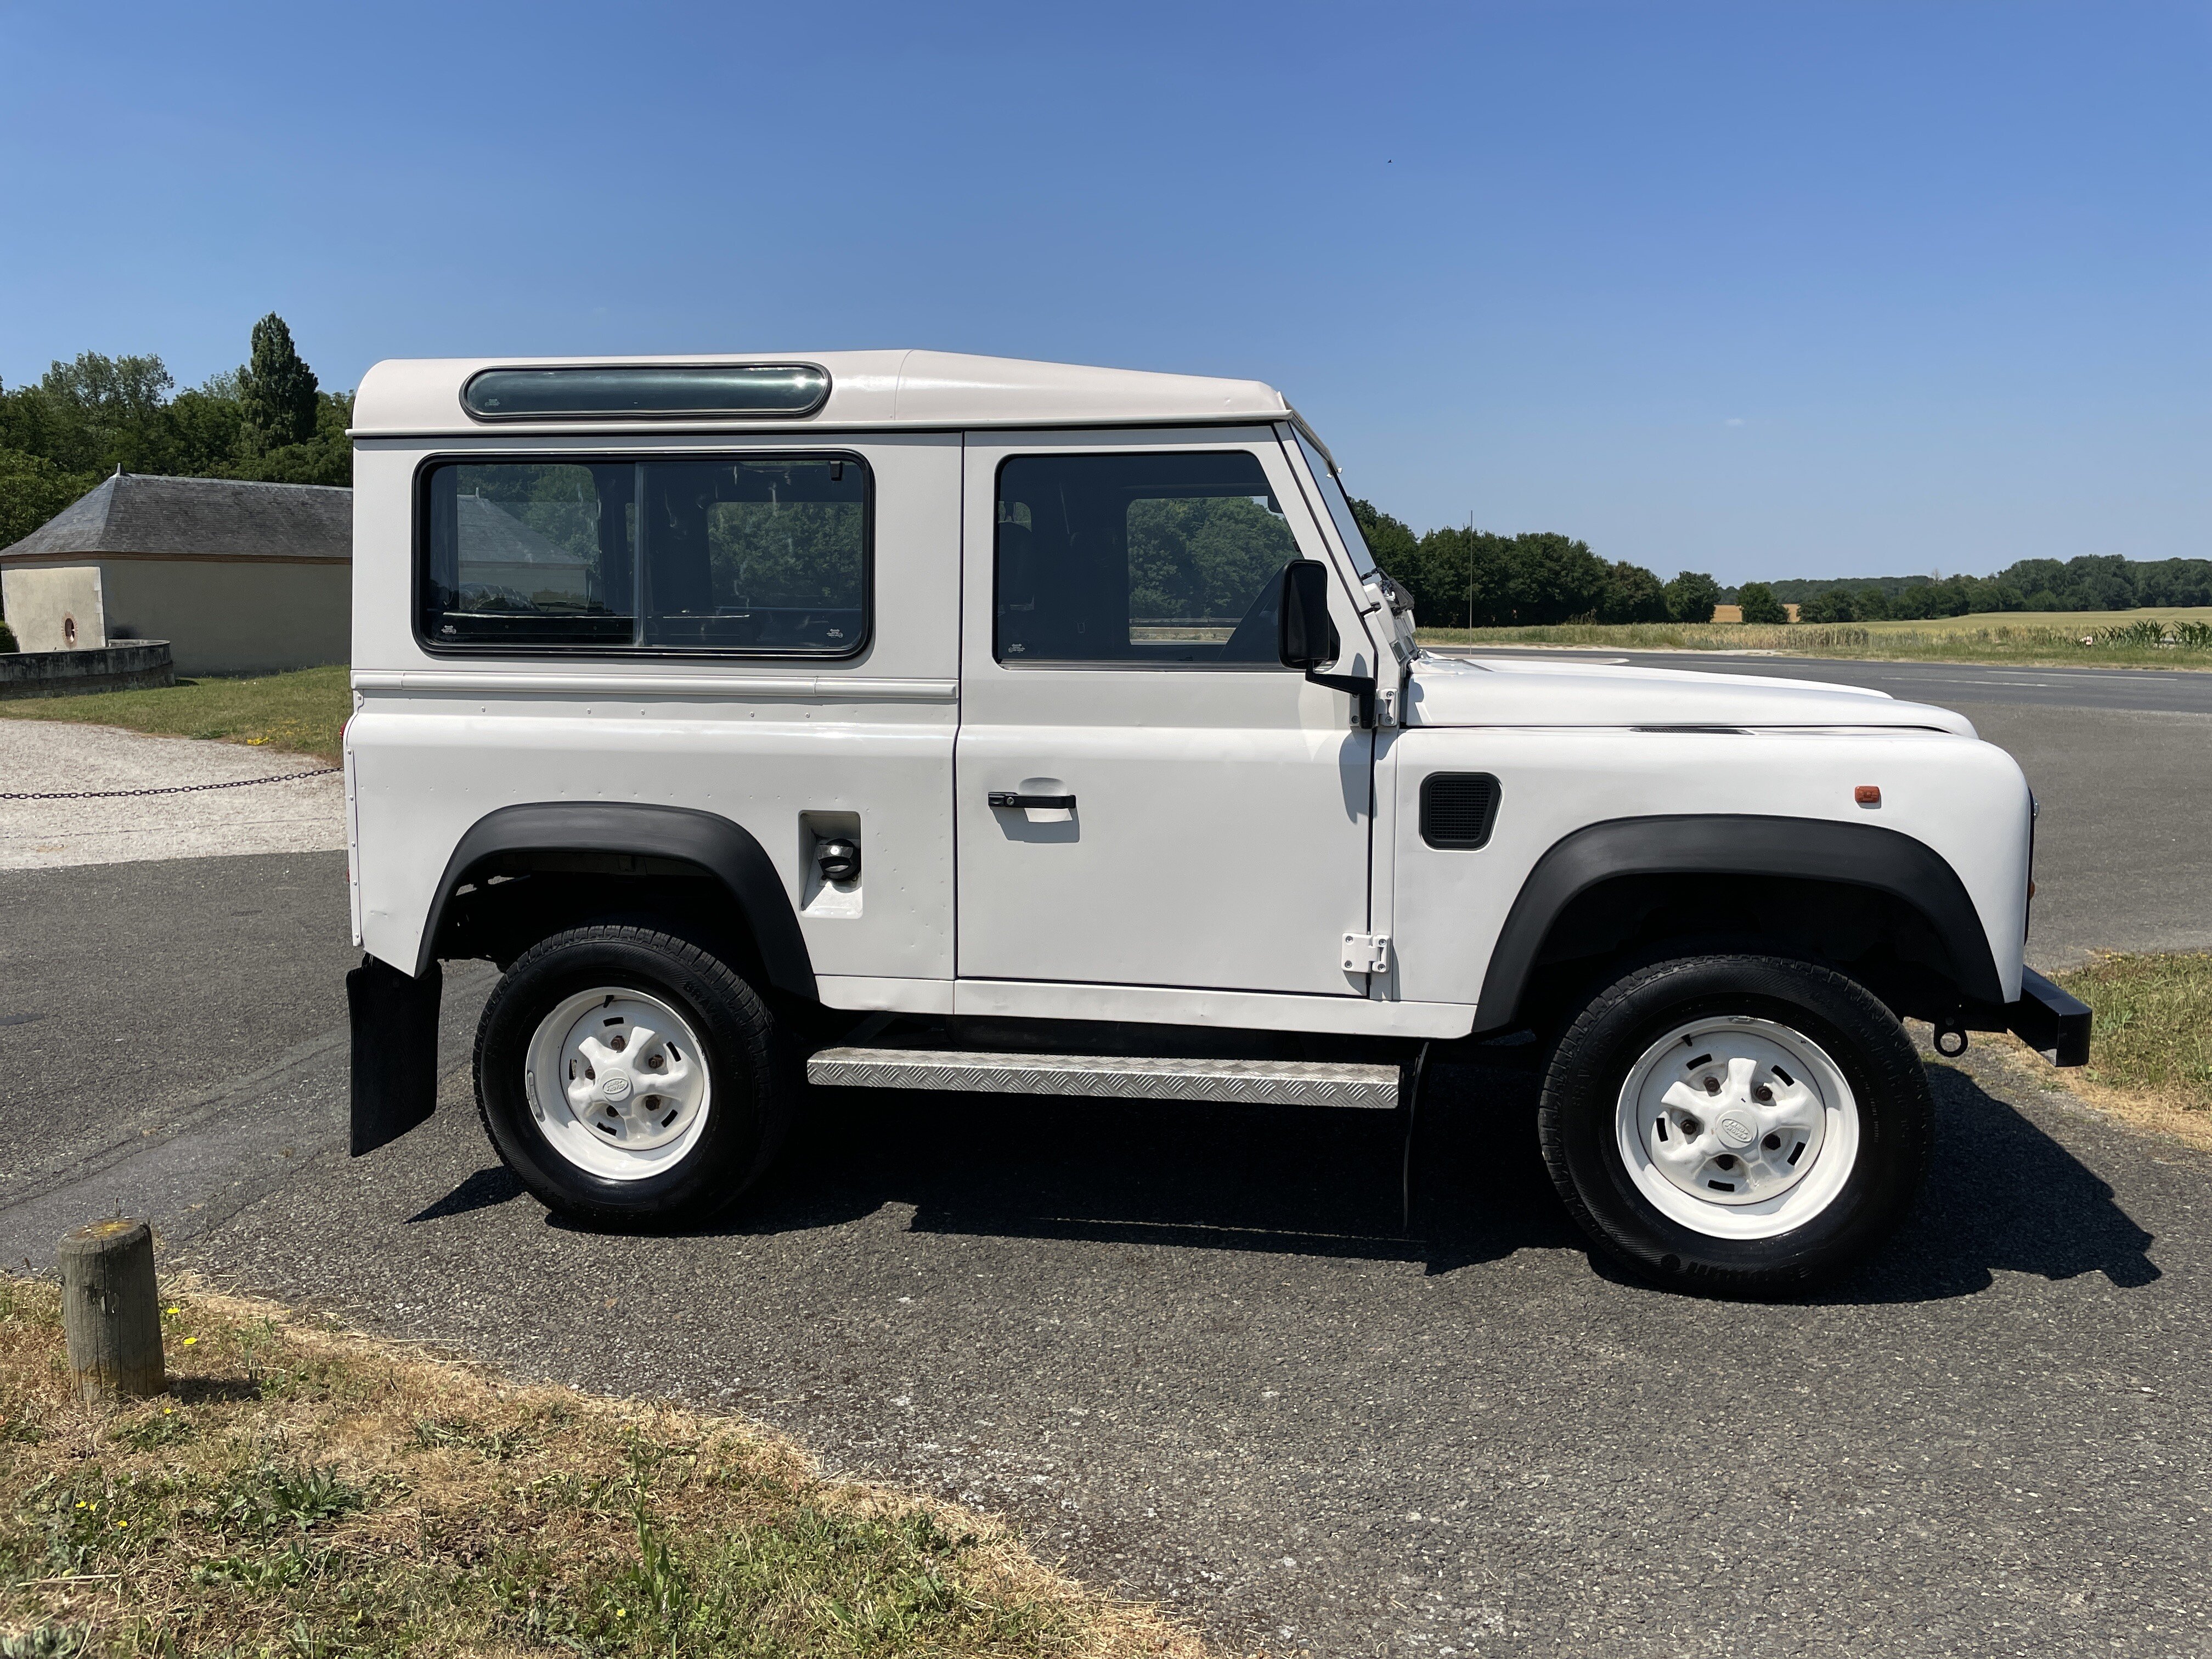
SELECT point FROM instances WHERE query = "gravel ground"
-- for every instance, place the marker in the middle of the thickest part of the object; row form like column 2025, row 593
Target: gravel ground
column 42, row 757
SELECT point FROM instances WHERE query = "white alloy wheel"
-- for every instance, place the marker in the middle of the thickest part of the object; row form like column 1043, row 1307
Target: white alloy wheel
column 618, row 1082
column 1737, row 1127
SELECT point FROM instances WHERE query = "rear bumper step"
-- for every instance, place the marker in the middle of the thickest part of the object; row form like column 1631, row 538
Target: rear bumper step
column 2050, row 1021
column 1250, row 1082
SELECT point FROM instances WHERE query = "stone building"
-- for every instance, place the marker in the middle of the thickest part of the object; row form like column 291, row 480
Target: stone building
column 239, row 578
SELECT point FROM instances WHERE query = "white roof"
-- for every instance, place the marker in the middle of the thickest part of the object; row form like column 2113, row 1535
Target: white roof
column 422, row 395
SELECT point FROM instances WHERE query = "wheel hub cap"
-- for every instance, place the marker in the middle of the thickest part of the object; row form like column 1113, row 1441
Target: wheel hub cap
column 1737, row 1127
column 618, row 1082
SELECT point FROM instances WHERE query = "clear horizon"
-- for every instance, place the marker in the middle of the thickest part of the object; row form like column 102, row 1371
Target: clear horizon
column 1775, row 293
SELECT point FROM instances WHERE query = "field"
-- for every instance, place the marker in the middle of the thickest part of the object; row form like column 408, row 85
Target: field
column 304, row 712
column 2042, row 638
column 304, row 1492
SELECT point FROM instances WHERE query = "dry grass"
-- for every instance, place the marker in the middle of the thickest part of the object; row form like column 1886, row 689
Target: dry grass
column 303, row 712
column 2074, row 622
column 2029, row 638
column 305, row 1492
column 2150, row 1047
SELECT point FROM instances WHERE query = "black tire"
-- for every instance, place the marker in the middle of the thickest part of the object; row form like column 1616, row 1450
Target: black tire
column 750, row 1065
column 1590, row 1065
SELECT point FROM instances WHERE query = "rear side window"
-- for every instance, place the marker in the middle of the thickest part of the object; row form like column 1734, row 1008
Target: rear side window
column 748, row 555
column 1165, row 560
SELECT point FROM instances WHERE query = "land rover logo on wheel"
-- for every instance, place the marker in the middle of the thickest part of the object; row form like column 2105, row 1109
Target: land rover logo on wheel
column 616, row 1087
column 1736, row 1131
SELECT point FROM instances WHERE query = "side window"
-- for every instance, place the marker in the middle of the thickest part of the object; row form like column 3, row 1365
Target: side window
column 530, row 553
column 1167, row 559
column 757, row 555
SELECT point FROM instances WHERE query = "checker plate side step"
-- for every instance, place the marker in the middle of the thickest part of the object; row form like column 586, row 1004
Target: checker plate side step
column 1111, row 1077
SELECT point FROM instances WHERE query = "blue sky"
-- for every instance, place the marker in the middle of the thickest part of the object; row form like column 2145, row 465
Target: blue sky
column 1768, row 289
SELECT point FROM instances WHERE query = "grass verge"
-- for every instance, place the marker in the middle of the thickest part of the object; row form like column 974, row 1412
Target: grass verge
column 2037, row 639
column 306, row 1491
column 303, row 712
column 2150, row 1047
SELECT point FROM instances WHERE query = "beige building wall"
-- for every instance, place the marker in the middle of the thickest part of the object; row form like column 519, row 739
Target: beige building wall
column 54, row 608
column 234, row 616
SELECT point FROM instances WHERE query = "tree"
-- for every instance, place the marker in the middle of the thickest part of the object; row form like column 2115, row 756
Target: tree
column 1550, row 578
column 1759, row 604
column 32, row 490
column 1692, row 596
column 277, row 390
column 324, row 459
column 1395, row 549
column 1633, row 594
column 1837, row 604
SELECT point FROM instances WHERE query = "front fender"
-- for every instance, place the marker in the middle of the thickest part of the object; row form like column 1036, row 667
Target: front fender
column 1855, row 854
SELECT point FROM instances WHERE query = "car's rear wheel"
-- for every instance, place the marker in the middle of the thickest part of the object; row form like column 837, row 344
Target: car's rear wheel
column 630, row 1077
column 1737, row 1125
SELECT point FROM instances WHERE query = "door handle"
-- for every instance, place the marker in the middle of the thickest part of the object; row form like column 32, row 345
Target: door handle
column 1008, row 797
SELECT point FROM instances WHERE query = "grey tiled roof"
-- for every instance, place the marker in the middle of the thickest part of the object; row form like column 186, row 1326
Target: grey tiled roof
column 131, row 513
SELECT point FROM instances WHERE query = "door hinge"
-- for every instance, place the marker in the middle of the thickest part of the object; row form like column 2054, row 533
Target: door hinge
column 1367, row 953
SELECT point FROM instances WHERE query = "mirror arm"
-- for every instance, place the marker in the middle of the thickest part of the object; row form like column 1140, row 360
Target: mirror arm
column 1361, row 686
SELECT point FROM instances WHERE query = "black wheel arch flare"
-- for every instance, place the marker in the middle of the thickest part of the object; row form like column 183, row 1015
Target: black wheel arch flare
column 1736, row 844
column 724, row 850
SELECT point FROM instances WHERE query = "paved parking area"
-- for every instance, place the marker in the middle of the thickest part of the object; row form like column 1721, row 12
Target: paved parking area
column 1192, row 1350
column 1188, row 1351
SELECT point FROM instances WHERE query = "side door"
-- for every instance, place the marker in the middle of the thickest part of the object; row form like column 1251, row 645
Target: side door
column 1143, row 794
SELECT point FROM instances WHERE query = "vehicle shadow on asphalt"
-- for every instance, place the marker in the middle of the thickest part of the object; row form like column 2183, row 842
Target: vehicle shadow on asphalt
column 2007, row 1196
column 1274, row 1180
column 2004, row 1196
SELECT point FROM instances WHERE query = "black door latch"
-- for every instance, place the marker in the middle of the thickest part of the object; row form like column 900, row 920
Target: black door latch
column 1008, row 797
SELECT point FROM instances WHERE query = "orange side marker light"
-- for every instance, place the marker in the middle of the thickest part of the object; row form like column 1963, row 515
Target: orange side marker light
column 1868, row 794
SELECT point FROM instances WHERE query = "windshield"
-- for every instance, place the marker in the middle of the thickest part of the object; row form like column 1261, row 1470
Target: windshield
column 1340, row 509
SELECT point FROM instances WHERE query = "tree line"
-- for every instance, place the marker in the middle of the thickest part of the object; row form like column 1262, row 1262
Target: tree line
column 2103, row 581
column 268, row 419
column 1477, row 579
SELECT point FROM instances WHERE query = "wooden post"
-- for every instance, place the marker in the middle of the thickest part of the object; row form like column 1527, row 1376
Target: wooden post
column 110, row 1310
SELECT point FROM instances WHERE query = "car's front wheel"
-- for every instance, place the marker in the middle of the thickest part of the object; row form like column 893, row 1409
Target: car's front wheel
column 1737, row 1125
column 630, row 1077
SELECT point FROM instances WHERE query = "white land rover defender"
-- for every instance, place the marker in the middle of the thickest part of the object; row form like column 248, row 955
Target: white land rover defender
column 909, row 719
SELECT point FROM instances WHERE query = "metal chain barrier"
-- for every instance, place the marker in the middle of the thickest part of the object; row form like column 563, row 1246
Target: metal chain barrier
column 174, row 789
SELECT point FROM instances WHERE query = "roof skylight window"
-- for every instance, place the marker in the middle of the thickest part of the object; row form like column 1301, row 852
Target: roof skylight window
column 664, row 391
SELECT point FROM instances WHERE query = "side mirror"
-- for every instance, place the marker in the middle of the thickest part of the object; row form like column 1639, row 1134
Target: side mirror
column 1305, row 636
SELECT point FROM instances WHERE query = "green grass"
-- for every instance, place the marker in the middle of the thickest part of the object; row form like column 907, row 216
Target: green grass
column 2117, row 638
column 303, row 712
column 303, row 1491
column 2152, row 1033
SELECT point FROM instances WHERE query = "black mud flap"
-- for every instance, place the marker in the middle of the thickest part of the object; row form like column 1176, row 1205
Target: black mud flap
column 395, row 1050
column 2050, row 1021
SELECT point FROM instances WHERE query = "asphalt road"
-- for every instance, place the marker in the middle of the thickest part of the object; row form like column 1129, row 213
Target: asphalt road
column 1190, row 1350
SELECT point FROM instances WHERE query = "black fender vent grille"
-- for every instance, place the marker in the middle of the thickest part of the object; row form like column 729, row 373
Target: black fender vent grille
column 1458, row 808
